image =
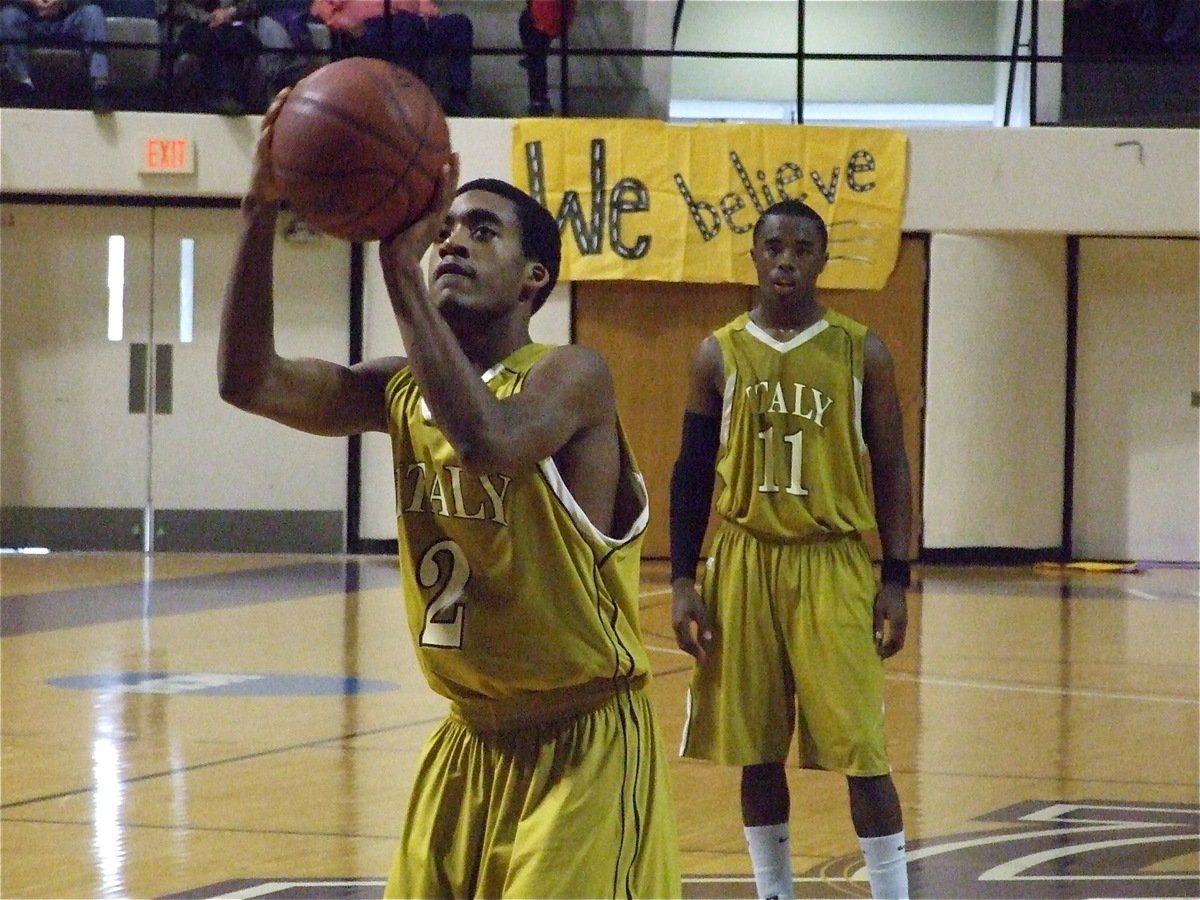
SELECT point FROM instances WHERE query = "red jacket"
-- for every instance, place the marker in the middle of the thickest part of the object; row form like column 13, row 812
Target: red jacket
column 348, row 15
column 547, row 16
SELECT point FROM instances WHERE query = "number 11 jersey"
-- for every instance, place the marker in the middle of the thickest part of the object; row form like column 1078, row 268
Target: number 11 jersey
column 792, row 463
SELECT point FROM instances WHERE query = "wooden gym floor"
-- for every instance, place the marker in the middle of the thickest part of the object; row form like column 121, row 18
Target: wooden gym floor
column 246, row 726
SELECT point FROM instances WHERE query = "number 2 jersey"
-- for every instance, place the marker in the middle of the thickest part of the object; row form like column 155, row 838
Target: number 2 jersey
column 792, row 463
column 521, row 610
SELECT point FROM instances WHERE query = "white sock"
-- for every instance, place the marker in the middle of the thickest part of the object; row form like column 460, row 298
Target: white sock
column 771, row 856
column 886, row 867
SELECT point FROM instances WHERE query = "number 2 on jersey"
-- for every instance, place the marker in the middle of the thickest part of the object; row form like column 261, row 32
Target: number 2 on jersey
column 444, row 566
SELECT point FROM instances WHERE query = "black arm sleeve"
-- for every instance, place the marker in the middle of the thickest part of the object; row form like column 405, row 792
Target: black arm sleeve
column 691, row 491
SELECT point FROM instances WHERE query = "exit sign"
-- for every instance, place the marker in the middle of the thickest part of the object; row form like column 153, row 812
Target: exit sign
column 168, row 156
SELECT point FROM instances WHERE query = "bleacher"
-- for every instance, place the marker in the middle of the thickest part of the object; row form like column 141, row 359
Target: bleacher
column 601, row 85
column 1150, row 88
column 137, row 77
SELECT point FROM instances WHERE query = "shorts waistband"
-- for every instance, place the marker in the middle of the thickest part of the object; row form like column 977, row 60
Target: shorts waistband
column 540, row 708
column 817, row 537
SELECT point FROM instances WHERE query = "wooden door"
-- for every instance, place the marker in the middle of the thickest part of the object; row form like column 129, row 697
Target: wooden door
column 1137, row 457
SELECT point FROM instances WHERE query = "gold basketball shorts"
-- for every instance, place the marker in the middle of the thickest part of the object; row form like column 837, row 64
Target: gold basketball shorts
column 579, row 808
column 794, row 653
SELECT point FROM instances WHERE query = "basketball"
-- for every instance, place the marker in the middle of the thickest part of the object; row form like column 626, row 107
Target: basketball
column 358, row 147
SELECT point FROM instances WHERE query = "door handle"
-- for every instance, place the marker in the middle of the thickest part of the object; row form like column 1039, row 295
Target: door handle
column 164, row 360
column 164, row 370
column 137, row 378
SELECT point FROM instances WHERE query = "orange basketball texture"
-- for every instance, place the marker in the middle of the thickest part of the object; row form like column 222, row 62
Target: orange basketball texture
column 358, row 147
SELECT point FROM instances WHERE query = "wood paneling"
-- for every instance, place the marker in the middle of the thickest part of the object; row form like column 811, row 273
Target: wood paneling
column 648, row 331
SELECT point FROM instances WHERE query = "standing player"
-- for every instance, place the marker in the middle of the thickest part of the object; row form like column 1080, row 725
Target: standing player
column 520, row 516
column 785, row 402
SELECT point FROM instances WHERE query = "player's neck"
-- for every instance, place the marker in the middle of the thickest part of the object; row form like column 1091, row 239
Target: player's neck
column 485, row 349
column 790, row 317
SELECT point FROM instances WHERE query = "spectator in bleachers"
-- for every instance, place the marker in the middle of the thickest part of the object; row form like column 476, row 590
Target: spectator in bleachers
column 407, row 32
column 221, row 35
column 289, row 50
column 76, row 20
column 541, row 21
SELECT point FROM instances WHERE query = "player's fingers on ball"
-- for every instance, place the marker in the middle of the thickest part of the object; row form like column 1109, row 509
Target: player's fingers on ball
column 272, row 112
column 262, row 147
column 447, row 185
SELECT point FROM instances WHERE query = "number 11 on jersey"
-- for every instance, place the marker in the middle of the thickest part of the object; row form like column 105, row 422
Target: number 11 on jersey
column 791, row 454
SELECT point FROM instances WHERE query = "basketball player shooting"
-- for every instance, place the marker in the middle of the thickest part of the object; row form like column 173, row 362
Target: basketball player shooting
column 521, row 514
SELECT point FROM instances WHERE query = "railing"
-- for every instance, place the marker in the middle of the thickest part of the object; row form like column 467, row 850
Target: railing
column 1023, row 52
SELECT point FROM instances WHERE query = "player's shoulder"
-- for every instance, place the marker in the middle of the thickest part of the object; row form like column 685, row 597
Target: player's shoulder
column 571, row 364
column 737, row 323
column 846, row 323
column 571, row 356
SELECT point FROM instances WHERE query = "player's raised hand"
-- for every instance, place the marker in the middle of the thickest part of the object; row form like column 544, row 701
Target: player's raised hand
column 400, row 255
column 263, row 187
column 413, row 241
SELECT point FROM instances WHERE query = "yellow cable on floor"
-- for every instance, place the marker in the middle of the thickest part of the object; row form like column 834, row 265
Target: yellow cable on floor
column 1086, row 566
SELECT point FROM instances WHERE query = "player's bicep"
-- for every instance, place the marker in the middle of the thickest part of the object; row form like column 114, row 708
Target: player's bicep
column 706, row 382
column 568, row 392
column 882, row 423
column 327, row 398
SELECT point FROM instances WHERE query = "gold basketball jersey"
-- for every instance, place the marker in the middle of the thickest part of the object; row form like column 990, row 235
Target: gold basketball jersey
column 792, row 463
column 520, row 608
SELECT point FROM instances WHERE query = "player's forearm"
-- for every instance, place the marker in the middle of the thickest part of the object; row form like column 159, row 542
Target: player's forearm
column 461, row 403
column 691, row 492
column 893, row 505
column 247, row 336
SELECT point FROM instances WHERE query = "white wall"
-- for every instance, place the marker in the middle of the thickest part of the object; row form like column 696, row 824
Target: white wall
column 1058, row 180
column 995, row 401
column 1065, row 180
column 997, row 202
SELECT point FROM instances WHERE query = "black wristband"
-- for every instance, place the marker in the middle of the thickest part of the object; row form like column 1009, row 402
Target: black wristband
column 896, row 571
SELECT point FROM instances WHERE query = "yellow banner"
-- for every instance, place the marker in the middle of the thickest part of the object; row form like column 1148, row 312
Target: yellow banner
column 644, row 200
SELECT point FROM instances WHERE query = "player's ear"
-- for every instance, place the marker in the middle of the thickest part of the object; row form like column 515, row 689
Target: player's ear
column 537, row 276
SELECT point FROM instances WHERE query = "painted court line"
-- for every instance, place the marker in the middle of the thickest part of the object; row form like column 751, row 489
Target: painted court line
column 1031, row 689
column 1001, row 686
